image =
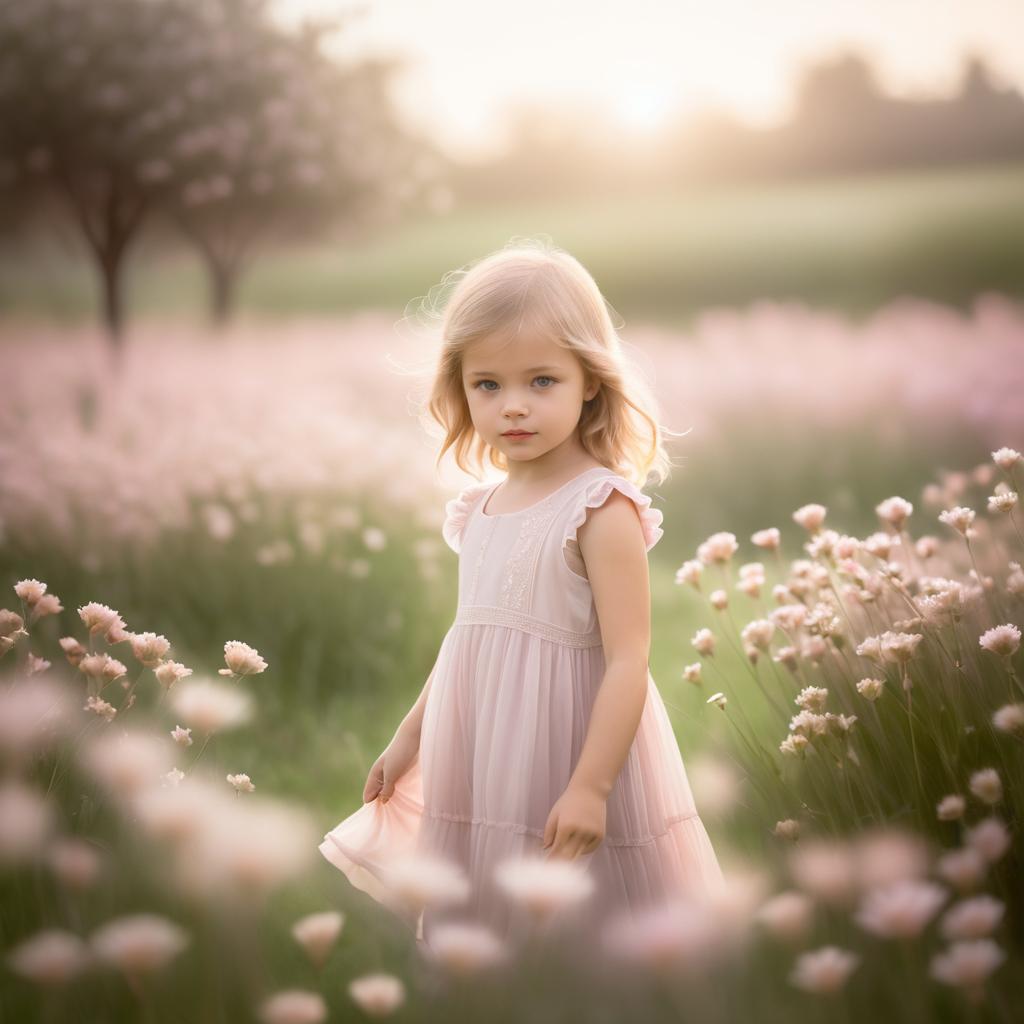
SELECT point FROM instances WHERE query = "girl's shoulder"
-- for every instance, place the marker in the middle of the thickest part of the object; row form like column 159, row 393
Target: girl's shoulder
column 457, row 510
column 595, row 492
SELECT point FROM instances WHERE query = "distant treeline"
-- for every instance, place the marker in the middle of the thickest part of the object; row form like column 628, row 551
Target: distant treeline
column 842, row 122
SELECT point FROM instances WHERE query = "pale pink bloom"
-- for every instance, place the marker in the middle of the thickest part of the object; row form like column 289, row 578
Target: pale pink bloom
column 219, row 521
column 822, row 620
column 787, row 915
column 768, row 539
column 421, row 880
column 175, row 777
column 48, row 604
column 183, row 737
column 786, row 656
column 171, row 814
column 99, row 618
column 752, row 571
column 788, row 828
column 968, row 964
column 28, row 820
column 1015, row 580
column 374, row 538
column 871, row 647
column 871, row 689
column 889, row 854
column 32, row 716
column 925, row 547
column 241, row 783
column 839, row 725
column 825, row 868
column 675, row 936
column 809, row 724
column 894, row 511
column 794, row 744
column 127, row 762
column 813, row 649
column 846, row 547
column 973, row 918
column 812, row 698
column 1006, row 458
column 75, row 862
column 758, row 633
column 318, row 934
column 963, row 868
column 209, row 707
column 719, row 547
column 983, row 474
column 987, row 786
column 789, row 617
column 880, row 544
column 1005, row 501
column 52, row 956
column 241, row 659
column 11, row 624
column 691, row 673
column 960, row 518
column 900, row 647
column 951, row 808
column 35, row 664
column 1010, row 718
column 464, row 947
column 377, row 994
column 1002, row 640
column 690, row 572
column 92, row 665
column 901, row 909
column 718, row 699
column 138, row 943
column 73, row 649
column 149, row 648
column 30, row 590
column 704, row 642
column 98, row 706
column 990, row 838
column 824, row 971
column 542, row 885
column 293, row 1006
column 113, row 669
column 810, row 517
column 169, row 672
column 718, row 599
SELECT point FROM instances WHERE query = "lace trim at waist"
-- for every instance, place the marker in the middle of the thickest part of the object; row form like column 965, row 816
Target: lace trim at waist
column 494, row 615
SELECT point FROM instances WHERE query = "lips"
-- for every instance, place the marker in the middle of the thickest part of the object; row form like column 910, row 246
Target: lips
column 518, row 433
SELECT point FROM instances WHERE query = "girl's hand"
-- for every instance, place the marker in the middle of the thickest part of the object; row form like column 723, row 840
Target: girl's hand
column 576, row 824
column 391, row 766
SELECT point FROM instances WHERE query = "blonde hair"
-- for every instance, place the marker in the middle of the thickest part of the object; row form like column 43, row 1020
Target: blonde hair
column 530, row 280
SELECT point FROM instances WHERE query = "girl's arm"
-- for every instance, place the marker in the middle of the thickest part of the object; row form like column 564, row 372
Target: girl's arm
column 413, row 721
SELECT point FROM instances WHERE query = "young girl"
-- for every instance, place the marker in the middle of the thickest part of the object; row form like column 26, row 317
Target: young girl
column 539, row 731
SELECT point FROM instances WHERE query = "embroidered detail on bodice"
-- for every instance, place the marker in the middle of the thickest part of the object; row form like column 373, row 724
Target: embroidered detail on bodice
column 470, row 615
column 522, row 559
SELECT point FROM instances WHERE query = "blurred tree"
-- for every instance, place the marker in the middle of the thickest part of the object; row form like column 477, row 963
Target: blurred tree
column 205, row 111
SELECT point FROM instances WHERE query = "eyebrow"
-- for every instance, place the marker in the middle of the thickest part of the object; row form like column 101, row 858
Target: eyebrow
column 532, row 369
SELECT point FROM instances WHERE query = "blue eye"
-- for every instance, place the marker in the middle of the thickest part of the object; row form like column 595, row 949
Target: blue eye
column 486, row 380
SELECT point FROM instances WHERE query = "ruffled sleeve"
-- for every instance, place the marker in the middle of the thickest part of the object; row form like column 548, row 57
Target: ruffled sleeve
column 595, row 495
column 456, row 512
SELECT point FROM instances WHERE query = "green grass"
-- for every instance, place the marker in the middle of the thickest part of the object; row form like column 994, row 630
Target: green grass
column 850, row 243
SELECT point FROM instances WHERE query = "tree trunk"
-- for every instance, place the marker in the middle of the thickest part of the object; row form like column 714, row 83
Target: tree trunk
column 223, row 279
column 113, row 304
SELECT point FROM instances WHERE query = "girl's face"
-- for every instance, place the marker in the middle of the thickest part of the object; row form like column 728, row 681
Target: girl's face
column 530, row 384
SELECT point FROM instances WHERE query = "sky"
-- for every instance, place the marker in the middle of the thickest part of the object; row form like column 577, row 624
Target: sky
column 643, row 61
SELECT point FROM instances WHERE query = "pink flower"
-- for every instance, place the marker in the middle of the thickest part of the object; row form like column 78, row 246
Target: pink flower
column 823, row 970
column 902, row 909
column 241, row 659
column 1002, row 640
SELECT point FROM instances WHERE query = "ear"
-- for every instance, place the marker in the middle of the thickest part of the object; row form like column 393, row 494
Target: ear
column 591, row 389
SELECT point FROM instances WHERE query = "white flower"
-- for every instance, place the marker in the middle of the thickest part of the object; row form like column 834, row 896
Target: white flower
column 50, row 957
column 895, row 511
column 973, row 918
column 902, row 909
column 812, row 698
column 464, row 947
column 241, row 783
column 1010, row 718
column 967, row 964
column 704, row 642
column 318, row 933
column 377, row 994
column 951, row 807
column 871, row 689
column 768, row 538
column 1006, row 458
column 719, row 547
column 718, row 699
column 788, row 828
column 241, row 659
column 823, row 970
column 138, row 943
column 1002, row 640
column 210, row 707
column 542, row 885
column 959, row 518
column 810, row 517
column 987, row 786
column 293, row 1006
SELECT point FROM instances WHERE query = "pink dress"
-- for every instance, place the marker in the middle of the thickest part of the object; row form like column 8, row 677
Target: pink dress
column 506, row 718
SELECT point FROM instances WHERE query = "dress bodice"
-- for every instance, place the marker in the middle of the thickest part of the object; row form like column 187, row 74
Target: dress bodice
column 524, row 568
